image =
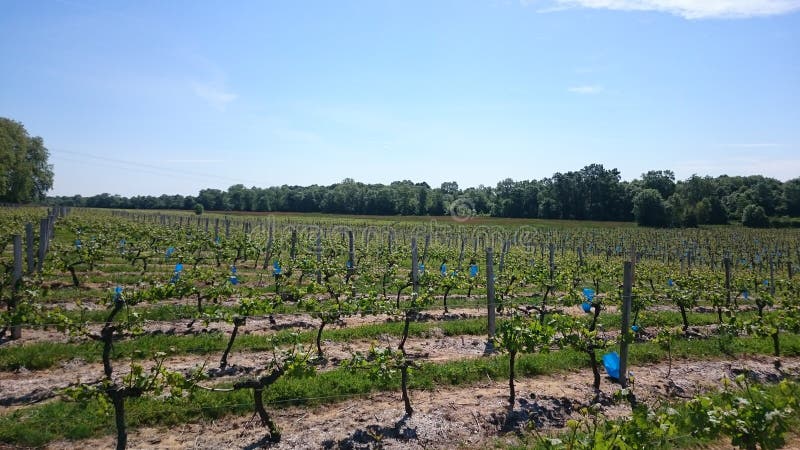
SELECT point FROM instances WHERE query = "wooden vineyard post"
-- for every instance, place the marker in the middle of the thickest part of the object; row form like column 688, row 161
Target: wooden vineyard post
column 490, row 298
column 726, row 262
column 268, row 248
column 552, row 260
column 634, row 257
column 771, row 276
column 627, row 285
column 461, row 254
column 319, row 257
column 293, row 245
column 29, row 247
column 351, row 254
column 16, row 278
column 689, row 257
column 414, row 266
column 42, row 243
column 502, row 257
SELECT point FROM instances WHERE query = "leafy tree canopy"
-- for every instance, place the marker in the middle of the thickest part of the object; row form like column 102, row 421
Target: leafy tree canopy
column 25, row 175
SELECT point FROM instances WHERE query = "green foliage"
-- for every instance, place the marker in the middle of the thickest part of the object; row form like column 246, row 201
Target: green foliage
column 649, row 209
column 519, row 335
column 593, row 193
column 25, row 175
column 380, row 364
column 750, row 416
column 754, row 216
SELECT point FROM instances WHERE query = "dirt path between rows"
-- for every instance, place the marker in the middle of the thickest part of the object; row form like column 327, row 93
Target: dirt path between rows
column 24, row 387
column 300, row 321
column 262, row 325
column 465, row 417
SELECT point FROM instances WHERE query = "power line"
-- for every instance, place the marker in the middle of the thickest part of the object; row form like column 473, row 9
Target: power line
column 143, row 167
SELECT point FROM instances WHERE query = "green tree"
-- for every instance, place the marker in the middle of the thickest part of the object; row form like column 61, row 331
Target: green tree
column 754, row 217
column 661, row 180
column 791, row 197
column 649, row 209
column 25, row 175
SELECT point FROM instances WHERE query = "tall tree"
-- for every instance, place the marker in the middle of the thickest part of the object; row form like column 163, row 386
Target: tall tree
column 25, row 175
column 791, row 197
column 661, row 180
column 649, row 209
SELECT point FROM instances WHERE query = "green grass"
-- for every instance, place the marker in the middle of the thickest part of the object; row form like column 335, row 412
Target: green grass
column 35, row 426
column 43, row 355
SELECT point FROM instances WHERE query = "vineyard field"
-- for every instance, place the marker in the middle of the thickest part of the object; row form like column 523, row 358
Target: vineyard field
column 174, row 330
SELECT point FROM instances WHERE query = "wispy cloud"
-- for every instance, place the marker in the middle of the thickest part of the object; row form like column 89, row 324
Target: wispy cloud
column 689, row 9
column 586, row 89
column 217, row 96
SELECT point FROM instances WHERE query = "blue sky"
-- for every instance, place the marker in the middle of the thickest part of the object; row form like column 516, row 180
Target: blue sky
column 153, row 97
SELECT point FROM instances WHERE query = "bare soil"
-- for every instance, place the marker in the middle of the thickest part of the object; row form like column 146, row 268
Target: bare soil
column 24, row 387
column 264, row 325
column 474, row 416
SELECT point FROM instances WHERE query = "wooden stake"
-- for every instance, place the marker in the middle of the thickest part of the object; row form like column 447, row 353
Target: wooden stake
column 490, row 291
column 627, row 286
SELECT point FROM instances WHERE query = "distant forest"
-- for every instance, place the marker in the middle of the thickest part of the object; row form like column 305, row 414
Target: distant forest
column 591, row 193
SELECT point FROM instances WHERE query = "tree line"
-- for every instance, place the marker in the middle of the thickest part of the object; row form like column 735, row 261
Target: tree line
column 591, row 193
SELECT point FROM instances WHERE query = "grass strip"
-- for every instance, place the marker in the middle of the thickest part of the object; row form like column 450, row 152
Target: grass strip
column 44, row 355
column 37, row 425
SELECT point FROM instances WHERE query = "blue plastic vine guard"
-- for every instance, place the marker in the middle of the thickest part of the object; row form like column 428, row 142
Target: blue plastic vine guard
column 473, row 271
column 589, row 294
column 587, row 307
column 611, row 364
